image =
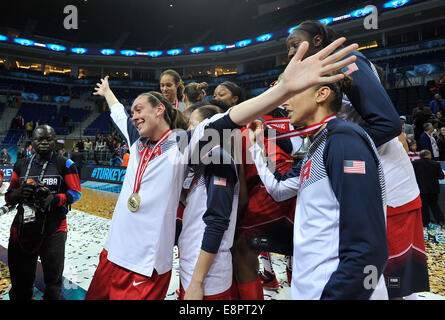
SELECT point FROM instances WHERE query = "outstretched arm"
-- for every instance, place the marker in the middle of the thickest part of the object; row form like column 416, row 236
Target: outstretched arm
column 280, row 187
column 103, row 89
column 298, row 76
column 121, row 119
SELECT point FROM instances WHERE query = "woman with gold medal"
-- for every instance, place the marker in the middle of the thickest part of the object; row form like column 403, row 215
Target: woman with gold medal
column 137, row 258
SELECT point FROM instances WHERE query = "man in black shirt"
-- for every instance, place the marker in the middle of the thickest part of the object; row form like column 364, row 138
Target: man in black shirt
column 42, row 186
column 77, row 157
column 428, row 173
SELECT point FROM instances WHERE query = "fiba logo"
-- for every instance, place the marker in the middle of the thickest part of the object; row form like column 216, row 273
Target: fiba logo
column 71, row 20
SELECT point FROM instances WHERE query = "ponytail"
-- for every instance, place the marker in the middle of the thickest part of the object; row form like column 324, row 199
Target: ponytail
column 178, row 120
column 338, row 88
column 195, row 92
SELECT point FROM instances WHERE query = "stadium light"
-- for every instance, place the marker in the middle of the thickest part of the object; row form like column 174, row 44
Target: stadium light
column 3, row 38
column 128, row 53
column 264, row 37
column 291, row 29
column 243, row 43
column 107, row 52
column 395, row 4
column 218, row 47
column 361, row 12
column 154, row 54
column 197, row 49
column 55, row 47
column 174, row 52
column 326, row 21
column 79, row 50
column 24, row 42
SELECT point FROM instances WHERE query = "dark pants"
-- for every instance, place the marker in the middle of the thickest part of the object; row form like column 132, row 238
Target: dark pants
column 430, row 201
column 23, row 265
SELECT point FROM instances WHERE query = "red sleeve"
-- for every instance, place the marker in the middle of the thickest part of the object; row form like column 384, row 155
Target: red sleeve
column 13, row 185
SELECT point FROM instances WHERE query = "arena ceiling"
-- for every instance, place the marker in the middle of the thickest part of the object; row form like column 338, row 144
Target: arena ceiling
column 161, row 24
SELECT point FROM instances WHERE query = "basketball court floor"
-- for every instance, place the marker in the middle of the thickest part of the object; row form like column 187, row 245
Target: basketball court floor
column 88, row 224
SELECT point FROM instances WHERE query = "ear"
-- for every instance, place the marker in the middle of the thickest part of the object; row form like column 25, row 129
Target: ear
column 322, row 95
column 317, row 41
column 160, row 109
column 235, row 100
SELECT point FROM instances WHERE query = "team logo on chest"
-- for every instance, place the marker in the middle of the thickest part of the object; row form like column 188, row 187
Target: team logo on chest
column 157, row 151
column 305, row 172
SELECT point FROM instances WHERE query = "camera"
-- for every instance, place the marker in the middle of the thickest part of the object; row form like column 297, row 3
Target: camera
column 40, row 192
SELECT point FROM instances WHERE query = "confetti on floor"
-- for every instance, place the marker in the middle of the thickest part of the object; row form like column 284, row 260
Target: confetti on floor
column 88, row 224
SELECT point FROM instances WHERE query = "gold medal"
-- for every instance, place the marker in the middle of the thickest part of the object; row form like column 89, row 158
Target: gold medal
column 134, row 202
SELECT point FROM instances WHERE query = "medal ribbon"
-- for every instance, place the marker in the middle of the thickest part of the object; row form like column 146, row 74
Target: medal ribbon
column 297, row 132
column 147, row 156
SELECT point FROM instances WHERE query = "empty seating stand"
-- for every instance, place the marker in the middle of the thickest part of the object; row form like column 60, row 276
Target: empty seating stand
column 100, row 125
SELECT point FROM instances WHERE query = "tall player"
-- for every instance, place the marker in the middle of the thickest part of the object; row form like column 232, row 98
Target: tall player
column 340, row 176
column 172, row 88
column 369, row 105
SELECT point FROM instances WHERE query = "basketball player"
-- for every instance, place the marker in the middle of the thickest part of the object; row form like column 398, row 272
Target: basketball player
column 340, row 176
column 194, row 92
column 208, row 223
column 172, row 88
column 368, row 105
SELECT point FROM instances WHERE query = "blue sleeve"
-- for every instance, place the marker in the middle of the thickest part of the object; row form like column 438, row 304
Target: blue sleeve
column 362, row 234
column 372, row 102
column 220, row 181
column 293, row 173
column 223, row 123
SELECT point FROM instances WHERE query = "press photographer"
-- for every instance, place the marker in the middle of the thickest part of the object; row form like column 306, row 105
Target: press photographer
column 42, row 187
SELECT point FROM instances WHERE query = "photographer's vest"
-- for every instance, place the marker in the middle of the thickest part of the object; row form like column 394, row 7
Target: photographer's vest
column 53, row 179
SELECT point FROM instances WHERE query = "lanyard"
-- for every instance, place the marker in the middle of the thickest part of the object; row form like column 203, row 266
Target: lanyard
column 147, row 156
column 28, row 169
column 297, row 132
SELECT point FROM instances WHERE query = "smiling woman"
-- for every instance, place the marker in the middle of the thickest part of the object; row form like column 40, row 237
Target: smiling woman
column 172, row 88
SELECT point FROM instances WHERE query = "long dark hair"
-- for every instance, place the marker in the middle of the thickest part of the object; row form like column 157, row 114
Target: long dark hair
column 177, row 79
column 337, row 90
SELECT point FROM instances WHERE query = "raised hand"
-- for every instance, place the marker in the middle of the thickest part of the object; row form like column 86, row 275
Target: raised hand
column 102, row 87
column 300, row 75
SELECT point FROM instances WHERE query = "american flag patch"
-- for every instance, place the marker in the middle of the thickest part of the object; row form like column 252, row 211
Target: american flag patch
column 352, row 166
column 218, row 181
column 350, row 69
